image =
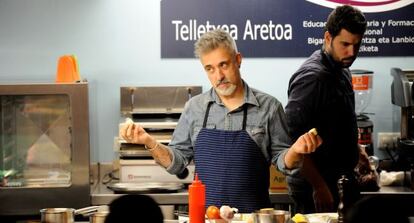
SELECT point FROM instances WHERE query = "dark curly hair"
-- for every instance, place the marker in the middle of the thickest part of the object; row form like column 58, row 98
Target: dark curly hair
column 348, row 18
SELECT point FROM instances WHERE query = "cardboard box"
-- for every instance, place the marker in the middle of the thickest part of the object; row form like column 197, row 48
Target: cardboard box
column 277, row 181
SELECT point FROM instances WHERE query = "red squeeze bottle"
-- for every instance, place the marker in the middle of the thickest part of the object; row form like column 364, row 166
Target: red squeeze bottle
column 197, row 201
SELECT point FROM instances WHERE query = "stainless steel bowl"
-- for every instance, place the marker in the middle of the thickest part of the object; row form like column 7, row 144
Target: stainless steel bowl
column 271, row 216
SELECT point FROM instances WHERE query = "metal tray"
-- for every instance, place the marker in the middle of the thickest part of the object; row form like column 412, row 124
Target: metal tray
column 145, row 187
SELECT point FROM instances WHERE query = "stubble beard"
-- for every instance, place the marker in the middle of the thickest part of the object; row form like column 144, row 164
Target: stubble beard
column 345, row 62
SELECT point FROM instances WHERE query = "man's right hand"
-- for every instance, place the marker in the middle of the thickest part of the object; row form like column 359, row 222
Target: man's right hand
column 134, row 133
column 305, row 144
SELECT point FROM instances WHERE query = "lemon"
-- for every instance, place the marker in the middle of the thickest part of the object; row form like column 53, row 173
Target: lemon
column 299, row 218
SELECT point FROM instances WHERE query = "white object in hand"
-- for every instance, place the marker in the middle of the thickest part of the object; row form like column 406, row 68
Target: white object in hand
column 314, row 131
column 129, row 121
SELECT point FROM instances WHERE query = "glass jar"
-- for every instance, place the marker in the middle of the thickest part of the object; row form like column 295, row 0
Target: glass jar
column 362, row 85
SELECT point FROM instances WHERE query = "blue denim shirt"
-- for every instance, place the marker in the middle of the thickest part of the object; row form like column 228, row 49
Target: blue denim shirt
column 266, row 125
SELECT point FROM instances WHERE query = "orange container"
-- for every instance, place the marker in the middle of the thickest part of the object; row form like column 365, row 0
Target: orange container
column 67, row 70
column 197, row 201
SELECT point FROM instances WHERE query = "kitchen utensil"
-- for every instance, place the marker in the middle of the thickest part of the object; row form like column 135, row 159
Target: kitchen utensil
column 275, row 216
column 98, row 217
column 64, row 215
column 373, row 162
column 68, row 69
column 323, row 217
column 57, row 215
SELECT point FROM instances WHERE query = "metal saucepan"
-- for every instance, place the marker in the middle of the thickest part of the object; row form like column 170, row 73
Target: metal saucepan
column 98, row 217
column 65, row 215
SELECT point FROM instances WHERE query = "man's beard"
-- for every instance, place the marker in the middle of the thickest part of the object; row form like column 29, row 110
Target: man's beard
column 345, row 62
column 227, row 91
column 350, row 61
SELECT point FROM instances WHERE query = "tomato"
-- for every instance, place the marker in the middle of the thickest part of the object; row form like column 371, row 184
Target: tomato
column 213, row 212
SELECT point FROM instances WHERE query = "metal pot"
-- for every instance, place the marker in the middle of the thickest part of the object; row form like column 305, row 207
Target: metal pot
column 98, row 217
column 57, row 215
column 64, row 215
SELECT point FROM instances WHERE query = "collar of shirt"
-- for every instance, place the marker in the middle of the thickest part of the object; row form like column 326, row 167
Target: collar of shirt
column 249, row 97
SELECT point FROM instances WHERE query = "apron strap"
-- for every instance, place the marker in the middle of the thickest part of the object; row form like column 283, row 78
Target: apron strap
column 244, row 116
column 208, row 111
column 206, row 114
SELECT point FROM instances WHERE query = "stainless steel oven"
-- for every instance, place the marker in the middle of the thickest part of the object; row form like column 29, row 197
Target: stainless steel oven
column 44, row 147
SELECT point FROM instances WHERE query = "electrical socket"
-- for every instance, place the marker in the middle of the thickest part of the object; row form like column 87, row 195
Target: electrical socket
column 388, row 140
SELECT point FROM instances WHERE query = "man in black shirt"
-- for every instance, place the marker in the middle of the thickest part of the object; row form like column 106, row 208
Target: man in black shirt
column 321, row 96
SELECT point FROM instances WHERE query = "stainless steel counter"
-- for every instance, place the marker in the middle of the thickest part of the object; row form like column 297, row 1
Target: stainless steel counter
column 101, row 195
column 392, row 190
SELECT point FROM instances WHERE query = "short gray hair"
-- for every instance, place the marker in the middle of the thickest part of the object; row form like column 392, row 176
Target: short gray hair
column 212, row 40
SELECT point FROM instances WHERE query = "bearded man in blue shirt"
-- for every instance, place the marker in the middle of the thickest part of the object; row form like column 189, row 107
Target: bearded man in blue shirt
column 232, row 132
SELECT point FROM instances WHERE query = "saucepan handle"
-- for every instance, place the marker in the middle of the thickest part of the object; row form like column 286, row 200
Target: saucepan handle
column 86, row 211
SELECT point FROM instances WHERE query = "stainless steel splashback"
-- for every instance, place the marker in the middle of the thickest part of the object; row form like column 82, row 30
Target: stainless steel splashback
column 156, row 100
column 402, row 87
column 402, row 95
